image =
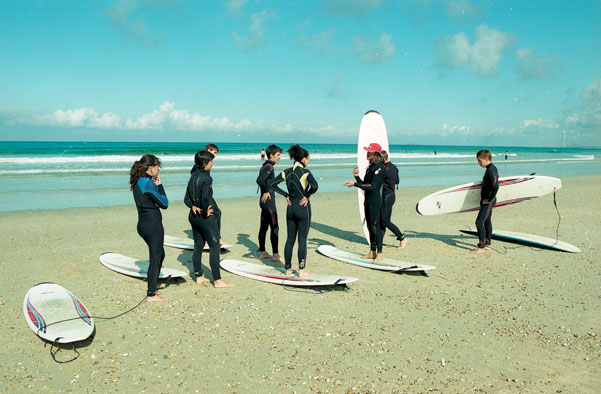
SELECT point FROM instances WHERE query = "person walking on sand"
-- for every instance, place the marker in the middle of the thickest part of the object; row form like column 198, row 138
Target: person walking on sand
column 199, row 198
column 301, row 185
column 269, row 213
column 488, row 199
column 391, row 181
column 150, row 198
column 372, row 185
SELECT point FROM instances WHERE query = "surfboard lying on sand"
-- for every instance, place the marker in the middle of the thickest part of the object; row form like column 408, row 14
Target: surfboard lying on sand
column 372, row 129
column 186, row 243
column 136, row 268
column 47, row 304
column 466, row 197
column 529, row 239
column 277, row 275
column 387, row 264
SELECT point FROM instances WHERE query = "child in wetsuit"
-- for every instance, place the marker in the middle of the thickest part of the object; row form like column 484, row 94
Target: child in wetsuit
column 269, row 213
column 391, row 180
column 488, row 199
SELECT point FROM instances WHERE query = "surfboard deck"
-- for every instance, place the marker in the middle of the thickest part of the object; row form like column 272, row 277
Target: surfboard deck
column 529, row 239
column 48, row 303
column 466, row 197
column 187, row 243
column 277, row 275
column 387, row 264
column 136, row 268
column 372, row 129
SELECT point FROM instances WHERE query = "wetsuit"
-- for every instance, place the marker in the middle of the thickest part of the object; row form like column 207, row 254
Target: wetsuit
column 269, row 213
column 204, row 228
column 216, row 210
column 300, row 183
column 372, row 185
column 149, row 198
column 490, row 186
column 391, row 180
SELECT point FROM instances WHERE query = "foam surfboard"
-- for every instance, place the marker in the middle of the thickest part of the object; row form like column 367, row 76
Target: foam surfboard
column 186, row 243
column 529, row 239
column 387, row 264
column 466, row 197
column 372, row 129
column 136, row 268
column 277, row 275
column 56, row 315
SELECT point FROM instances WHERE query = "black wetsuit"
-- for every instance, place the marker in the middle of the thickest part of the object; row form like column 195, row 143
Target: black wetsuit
column 490, row 186
column 204, row 228
column 269, row 213
column 216, row 210
column 149, row 198
column 372, row 185
column 391, row 180
column 300, row 183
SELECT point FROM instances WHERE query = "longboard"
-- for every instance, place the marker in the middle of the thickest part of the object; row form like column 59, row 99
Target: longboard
column 387, row 264
column 56, row 315
column 529, row 239
column 277, row 275
column 136, row 268
column 186, row 243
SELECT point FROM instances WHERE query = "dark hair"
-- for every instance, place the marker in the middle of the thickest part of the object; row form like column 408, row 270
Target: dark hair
column 297, row 152
column 140, row 167
column 484, row 154
column 211, row 147
column 377, row 158
column 272, row 150
column 384, row 155
column 202, row 158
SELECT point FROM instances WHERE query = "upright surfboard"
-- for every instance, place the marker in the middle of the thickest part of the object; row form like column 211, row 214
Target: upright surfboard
column 136, row 268
column 387, row 264
column 372, row 129
column 56, row 315
column 277, row 275
column 530, row 239
column 466, row 197
column 186, row 243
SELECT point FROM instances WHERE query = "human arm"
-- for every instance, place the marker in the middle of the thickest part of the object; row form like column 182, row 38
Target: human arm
column 156, row 193
column 275, row 184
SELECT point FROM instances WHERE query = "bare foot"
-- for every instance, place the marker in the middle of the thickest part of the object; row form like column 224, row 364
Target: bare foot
column 403, row 244
column 221, row 284
column 202, row 280
column 155, row 298
column 264, row 255
column 223, row 242
column 304, row 273
column 378, row 258
column 488, row 247
column 478, row 251
column 289, row 272
column 277, row 257
column 370, row 256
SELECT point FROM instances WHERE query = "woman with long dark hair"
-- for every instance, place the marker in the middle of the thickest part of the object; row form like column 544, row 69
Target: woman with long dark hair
column 150, row 197
column 300, row 185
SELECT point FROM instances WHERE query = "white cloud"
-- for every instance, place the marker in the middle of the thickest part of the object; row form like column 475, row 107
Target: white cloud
column 530, row 66
column 256, row 30
column 373, row 51
column 592, row 92
column 540, row 123
column 454, row 130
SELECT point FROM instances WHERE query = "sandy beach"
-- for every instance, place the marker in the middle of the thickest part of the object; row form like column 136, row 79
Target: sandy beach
column 517, row 319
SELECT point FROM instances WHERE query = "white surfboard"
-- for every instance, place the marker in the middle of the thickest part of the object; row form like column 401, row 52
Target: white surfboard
column 136, row 268
column 186, row 243
column 56, row 315
column 277, row 275
column 529, row 239
column 387, row 264
column 373, row 129
column 466, row 197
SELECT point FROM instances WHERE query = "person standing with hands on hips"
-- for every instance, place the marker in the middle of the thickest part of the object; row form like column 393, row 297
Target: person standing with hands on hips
column 488, row 199
column 269, row 213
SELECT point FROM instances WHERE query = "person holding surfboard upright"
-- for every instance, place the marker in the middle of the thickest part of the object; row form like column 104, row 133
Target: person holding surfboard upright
column 149, row 196
column 199, row 198
column 488, row 199
column 391, row 180
column 269, row 213
column 372, row 185
column 301, row 185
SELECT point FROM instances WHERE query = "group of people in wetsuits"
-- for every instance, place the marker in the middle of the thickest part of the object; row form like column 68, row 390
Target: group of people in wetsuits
column 379, row 184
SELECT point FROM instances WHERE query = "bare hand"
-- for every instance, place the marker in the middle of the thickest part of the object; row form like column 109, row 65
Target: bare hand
column 485, row 202
column 349, row 184
column 157, row 180
column 356, row 171
column 288, row 201
column 304, row 201
column 265, row 197
column 210, row 211
column 196, row 210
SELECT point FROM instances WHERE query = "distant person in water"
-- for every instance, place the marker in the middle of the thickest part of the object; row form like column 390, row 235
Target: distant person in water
column 391, row 181
column 263, row 154
column 150, row 198
column 506, row 154
column 372, row 184
column 269, row 212
column 488, row 199
column 300, row 185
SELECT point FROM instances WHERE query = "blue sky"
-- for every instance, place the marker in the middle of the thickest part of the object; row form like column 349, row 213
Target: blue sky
column 464, row 72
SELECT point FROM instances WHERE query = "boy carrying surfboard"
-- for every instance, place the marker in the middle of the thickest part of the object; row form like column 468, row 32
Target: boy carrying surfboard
column 488, row 199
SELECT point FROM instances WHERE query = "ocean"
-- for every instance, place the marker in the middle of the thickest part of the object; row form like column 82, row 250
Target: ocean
column 55, row 175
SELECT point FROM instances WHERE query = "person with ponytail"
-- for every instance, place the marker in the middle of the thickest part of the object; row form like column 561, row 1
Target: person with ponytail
column 205, row 227
column 300, row 185
column 150, row 197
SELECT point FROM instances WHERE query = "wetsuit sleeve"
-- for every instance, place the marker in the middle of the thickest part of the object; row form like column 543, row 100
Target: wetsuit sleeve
column 312, row 186
column 494, row 183
column 274, row 185
column 263, row 178
column 377, row 179
column 156, row 194
column 206, row 200
column 187, row 199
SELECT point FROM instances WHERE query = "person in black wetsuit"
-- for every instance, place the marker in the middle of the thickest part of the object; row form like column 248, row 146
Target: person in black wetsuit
column 300, row 185
column 199, row 198
column 149, row 196
column 391, row 180
column 269, row 213
column 372, row 185
column 488, row 199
